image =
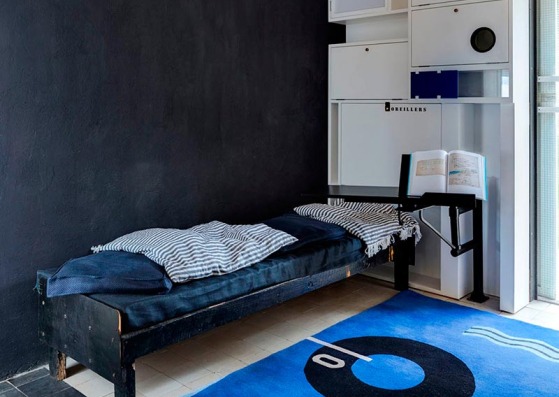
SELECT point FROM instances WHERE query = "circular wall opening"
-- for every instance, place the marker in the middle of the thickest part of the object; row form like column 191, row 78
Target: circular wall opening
column 483, row 39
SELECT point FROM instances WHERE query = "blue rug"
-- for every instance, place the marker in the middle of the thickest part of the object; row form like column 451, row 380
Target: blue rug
column 410, row 345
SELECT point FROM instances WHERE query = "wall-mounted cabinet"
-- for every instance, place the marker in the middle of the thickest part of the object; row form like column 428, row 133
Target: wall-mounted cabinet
column 459, row 54
column 374, row 136
column 344, row 10
column 369, row 71
column 416, row 3
column 464, row 34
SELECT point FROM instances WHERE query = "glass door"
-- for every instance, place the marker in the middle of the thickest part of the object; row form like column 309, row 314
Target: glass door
column 547, row 153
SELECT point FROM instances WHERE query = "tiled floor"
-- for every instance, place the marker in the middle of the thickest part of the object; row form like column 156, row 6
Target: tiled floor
column 192, row 364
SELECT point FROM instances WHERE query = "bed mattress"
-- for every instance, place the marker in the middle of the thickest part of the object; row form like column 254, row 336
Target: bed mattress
column 140, row 311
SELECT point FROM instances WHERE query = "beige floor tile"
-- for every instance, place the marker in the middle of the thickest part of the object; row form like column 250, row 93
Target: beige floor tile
column 241, row 349
column 539, row 305
column 177, row 393
column 95, row 387
column 164, row 361
column 205, row 381
column 78, row 374
column 268, row 341
column 525, row 314
column 220, row 362
column 546, row 319
column 552, row 308
column 192, row 348
column 144, row 372
column 158, row 385
column 256, row 357
column 188, row 373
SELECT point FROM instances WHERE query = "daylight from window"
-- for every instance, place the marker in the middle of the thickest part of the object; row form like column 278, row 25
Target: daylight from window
column 547, row 149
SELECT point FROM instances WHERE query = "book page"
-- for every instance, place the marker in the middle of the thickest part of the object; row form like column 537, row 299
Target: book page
column 427, row 172
column 466, row 173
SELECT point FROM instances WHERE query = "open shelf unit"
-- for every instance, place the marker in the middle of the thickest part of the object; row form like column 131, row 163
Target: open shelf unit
column 432, row 65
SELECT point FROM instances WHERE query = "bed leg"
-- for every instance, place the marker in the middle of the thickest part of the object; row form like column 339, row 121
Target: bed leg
column 404, row 256
column 127, row 387
column 57, row 364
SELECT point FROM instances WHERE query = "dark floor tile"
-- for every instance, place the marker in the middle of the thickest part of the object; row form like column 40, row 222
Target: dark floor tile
column 11, row 393
column 44, row 387
column 71, row 392
column 5, row 386
column 29, row 377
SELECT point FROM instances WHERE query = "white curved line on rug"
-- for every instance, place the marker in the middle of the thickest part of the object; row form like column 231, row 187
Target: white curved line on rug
column 534, row 346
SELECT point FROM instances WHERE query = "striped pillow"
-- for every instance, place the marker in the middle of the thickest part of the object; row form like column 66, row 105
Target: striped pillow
column 209, row 249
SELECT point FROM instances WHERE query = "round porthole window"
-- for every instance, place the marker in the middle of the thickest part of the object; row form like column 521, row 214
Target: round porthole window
column 483, row 39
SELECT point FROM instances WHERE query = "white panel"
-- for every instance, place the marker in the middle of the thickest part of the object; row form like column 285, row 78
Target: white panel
column 333, row 145
column 415, row 3
column 441, row 36
column 488, row 142
column 515, row 170
column 344, row 6
column 389, row 27
column 427, row 252
column 456, row 272
column 373, row 140
column 375, row 71
column 457, row 127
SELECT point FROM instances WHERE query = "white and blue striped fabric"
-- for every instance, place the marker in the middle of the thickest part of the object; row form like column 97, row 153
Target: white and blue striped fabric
column 375, row 224
column 212, row 248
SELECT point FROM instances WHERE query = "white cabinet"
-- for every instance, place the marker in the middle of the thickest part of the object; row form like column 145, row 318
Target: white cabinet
column 344, row 7
column 464, row 34
column 385, row 41
column 373, row 139
column 369, row 71
column 415, row 3
column 341, row 10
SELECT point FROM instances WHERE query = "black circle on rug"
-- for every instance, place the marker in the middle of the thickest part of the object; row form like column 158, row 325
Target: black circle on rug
column 331, row 375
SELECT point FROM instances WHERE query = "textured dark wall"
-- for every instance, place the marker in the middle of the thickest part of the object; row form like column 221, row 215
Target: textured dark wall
column 118, row 115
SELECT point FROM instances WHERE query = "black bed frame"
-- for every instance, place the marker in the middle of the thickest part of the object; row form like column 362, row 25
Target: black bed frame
column 91, row 332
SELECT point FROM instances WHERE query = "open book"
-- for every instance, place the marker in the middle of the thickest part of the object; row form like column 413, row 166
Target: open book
column 454, row 172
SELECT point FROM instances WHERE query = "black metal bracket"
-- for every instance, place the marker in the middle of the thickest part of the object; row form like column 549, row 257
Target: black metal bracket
column 456, row 247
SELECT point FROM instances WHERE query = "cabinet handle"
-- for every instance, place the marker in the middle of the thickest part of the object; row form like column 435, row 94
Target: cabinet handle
column 456, row 10
column 367, row 49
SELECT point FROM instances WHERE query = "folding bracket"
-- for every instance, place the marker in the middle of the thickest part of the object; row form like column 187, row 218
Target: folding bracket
column 456, row 248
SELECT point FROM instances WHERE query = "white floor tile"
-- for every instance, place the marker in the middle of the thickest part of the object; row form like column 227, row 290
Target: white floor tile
column 79, row 374
column 188, row 373
column 95, row 387
column 205, row 381
column 158, row 385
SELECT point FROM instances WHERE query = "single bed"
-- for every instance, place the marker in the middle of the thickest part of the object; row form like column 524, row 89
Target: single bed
column 107, row 332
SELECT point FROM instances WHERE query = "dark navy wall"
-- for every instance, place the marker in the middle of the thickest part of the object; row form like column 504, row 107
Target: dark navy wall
column 118, row 115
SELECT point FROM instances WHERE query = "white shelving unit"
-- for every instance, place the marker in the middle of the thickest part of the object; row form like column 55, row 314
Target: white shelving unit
column 386, row 42
column 344, row 11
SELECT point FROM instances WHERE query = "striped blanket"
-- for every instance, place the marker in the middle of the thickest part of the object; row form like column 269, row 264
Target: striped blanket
column 375, row 224
column 209, row 249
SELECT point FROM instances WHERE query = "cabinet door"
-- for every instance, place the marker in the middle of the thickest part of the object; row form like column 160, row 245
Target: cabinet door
column 415, row 3
column 446, row 35
column 344, row 7
column 372, row 140
column 376, row 71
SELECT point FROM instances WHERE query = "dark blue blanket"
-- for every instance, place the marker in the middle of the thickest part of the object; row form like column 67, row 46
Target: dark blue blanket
column 142, row 310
